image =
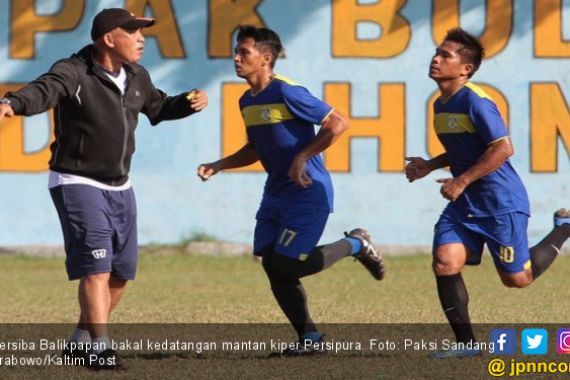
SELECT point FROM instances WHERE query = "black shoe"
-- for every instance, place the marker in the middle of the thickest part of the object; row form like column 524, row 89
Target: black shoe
column 368, row 255
column 106, row 360
column 75, row 353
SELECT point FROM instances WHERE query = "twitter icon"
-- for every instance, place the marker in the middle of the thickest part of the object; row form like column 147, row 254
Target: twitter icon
column 534, row 341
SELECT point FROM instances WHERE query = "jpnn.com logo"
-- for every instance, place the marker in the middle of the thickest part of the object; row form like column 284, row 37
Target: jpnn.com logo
column 534, row 341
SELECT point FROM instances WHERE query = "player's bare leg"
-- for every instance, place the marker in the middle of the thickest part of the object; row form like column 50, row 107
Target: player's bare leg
column 516, row 280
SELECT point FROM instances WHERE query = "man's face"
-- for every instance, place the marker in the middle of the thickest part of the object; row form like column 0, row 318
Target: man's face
column 128, row 44
column 446, row 63
column 248, row 60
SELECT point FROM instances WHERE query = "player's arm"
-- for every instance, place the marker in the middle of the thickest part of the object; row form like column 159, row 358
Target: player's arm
column 418, row 167
column 243, row 157
column 331, row 128
column 494, row 156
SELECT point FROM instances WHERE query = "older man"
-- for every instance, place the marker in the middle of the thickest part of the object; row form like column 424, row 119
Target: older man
column 97, row 95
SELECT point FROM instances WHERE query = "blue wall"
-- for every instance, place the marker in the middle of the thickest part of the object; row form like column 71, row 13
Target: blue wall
column 173, row 203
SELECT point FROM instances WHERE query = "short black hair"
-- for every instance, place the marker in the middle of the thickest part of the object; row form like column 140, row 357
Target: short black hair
column 266, row 39
column 471, row 52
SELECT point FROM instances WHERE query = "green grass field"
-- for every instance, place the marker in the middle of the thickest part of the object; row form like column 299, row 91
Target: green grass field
column 202, row 289
column 173, row 287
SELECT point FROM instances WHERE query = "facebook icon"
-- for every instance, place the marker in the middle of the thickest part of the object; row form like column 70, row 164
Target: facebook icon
column 505, row 341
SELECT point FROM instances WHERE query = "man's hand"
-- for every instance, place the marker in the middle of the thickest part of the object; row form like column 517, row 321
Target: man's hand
column 6, row 111
column 417, row 168
column 198, row 99
column 298, row 172
column 451, row 188
column 205, row 171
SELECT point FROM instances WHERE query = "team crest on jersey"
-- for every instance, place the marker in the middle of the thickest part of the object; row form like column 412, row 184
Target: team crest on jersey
column 99, row 253
column 452, row 123
column 266, row 114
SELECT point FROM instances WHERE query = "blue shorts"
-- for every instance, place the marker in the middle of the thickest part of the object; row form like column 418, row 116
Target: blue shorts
column 292, row 232
column 99, row 230
column 505, row 235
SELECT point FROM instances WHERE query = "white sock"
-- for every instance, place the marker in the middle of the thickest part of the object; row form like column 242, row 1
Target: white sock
column 80, row 335
column 100, row 344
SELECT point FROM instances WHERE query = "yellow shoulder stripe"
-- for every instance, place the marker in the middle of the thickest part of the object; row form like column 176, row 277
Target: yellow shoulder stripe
column 265, row 114
column 286, row 80
column 479, row 91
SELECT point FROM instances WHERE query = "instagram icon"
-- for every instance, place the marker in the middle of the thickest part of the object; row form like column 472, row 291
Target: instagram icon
column 563, row 341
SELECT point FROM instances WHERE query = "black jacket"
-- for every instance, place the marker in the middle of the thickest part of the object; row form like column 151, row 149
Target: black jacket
column 94, row 122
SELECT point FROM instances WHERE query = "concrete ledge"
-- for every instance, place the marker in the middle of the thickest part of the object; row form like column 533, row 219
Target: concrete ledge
column 33, row 250
column 216, row 248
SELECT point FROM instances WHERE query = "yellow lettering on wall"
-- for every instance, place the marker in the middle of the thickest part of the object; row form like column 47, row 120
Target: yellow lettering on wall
column 165, row 30
column 434, row 147
column 498, row 22
column 388, row 128
column 13, row 158
column 233, row 129
column 225, row 17
column 25, row 23
column 394, row 35
column 550, row 119
column 548, row 40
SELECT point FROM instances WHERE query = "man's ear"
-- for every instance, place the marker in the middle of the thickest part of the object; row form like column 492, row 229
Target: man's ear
column 468, row 69
column 267, row 59
column 108, row 40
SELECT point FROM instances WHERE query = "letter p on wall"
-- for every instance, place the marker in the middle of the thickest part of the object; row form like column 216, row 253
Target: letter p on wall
column 25, row 23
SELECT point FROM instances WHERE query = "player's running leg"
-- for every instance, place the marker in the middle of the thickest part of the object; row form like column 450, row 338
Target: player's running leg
column 449, row 260
column 453, row 247
column 283, row 273
column 545, row 252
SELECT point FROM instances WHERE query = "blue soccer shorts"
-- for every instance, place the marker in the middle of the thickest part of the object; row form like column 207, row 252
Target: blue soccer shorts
column 99, row 230
column 505, row 236
column 293, row 232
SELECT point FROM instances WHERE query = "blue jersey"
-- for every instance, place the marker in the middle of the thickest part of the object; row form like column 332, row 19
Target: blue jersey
column 280, row 123
column 466, row 124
